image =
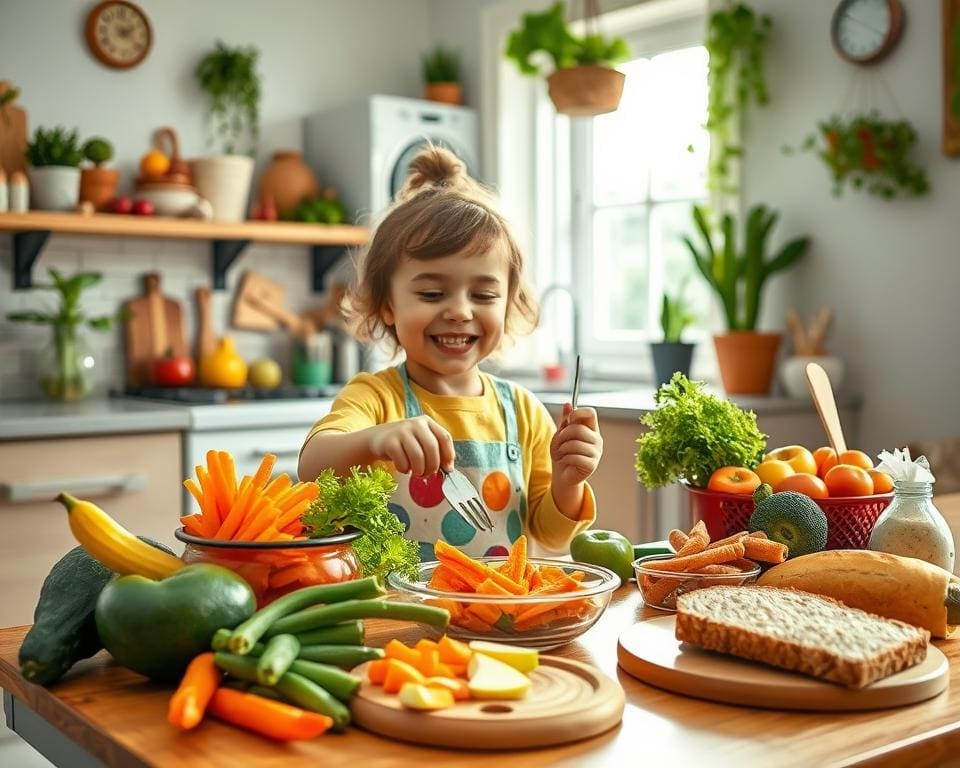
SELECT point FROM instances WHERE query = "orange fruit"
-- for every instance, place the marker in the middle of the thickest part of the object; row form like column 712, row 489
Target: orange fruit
column 847, row 480
column 855, row 459
column 882, row 482
column 154, row 164
column 733, row 480
column 805, row 483
column 821, row 455
column 772, row 471
column 796, row 456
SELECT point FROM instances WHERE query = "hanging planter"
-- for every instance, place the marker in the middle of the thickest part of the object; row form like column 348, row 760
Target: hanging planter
column 584, row 82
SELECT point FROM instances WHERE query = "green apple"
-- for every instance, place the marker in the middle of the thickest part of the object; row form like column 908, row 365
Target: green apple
column 607, row 548
column 265, row 373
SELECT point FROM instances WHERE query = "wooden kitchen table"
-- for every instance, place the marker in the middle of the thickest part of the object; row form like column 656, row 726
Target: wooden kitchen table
column 118, row 717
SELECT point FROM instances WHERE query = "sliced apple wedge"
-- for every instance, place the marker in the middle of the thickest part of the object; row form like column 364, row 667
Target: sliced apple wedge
column 425, row 698
column 521, row 659
column 490, row 678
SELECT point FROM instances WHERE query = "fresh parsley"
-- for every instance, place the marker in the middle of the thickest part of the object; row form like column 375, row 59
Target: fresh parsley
column 360, row 501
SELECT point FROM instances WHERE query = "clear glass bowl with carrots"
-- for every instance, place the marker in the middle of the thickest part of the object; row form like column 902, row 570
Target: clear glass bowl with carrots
column 660, row 589
column 529, row 602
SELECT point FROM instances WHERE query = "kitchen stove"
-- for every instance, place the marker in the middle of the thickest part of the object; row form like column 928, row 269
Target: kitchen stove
column 213, row 396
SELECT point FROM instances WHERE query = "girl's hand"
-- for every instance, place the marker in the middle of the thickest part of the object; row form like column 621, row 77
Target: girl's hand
column 577, row 446
column 417, row 445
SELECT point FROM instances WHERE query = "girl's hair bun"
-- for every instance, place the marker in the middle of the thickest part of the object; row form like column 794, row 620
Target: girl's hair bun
column 433, row 168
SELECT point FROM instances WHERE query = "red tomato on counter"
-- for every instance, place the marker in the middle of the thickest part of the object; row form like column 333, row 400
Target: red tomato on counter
column 173, row 371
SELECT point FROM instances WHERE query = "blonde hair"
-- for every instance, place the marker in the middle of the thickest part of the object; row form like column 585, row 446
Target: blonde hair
column 440, row 211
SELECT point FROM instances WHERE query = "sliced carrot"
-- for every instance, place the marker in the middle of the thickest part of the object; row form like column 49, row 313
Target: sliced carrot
column 199, row 683
column 229, row 473
column 304, row 572
column 268, row 717
column 697, row 541
column 192, row 524
column 425, row 643
column 446, row 579
column 397, row 650
column 377, row 671
column 707, row 557
column 449, row 554
column 452, row 651
column 195, row 491
column 262, row 475
column 238, row 511
column 398, row 673
column 429, row 661
column 278, row 485
column 764, row 550
column 517, row 561
column 222, row 494
column 677, row 539
column 211, row 519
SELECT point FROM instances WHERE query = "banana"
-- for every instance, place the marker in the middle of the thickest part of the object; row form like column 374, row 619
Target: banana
column 112, row 545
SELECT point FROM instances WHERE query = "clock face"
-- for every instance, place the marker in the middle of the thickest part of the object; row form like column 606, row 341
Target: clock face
column 118, row 33
column 866, row 30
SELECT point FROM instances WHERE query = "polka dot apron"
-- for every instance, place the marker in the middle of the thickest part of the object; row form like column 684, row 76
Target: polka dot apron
column 494, row 468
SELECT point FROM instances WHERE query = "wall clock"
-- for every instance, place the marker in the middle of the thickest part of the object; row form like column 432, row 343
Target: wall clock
column 119, row 34
column 865, row 31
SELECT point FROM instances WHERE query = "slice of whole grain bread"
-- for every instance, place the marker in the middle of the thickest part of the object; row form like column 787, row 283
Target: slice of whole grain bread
column 799, row 631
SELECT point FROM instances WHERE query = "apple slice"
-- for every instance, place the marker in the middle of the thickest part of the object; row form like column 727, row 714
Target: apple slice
column 521, row 659
column 490, row 678
column 425, row 698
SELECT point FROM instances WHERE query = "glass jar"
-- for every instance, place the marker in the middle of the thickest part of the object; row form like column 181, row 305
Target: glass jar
column 274, row 568
column 67, row 365
column 913, row 527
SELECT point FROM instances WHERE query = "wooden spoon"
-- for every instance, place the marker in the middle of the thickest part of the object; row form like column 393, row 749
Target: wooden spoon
column 822, row 393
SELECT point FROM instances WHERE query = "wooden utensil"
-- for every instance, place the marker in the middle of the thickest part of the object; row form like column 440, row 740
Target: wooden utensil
column 13, row 134
column 567, row 701
column 258, row 306
column 822, row 393
column 206, row 340
column 651, row 652
column 154, row 326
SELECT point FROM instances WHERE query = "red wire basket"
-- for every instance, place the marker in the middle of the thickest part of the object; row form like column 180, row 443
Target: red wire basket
column 850, row 519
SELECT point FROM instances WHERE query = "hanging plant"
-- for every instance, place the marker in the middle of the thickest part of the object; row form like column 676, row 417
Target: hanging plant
column 230, row 79
column 869, row 153
column 736, row 39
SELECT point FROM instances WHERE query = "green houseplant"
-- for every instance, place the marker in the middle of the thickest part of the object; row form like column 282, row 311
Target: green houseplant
column 441, row 73
column 67, row 370
column 672, row 354
column 98, row 185
column 869, row 153
column 737, row 274
column 231, row 82
column 583, row 82
column 54, row 155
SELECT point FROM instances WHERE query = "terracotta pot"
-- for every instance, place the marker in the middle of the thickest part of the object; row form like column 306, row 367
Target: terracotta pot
column 746, row 361
column 445, row 93
column 99, row 186
column 586, row 90
column 287, row 180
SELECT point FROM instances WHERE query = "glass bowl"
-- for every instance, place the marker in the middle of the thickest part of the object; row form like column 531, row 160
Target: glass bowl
column 660, row 589
column 274, row 568
column 558, row 618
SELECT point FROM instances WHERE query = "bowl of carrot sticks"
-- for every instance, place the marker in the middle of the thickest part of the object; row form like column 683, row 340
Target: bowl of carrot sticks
column 530, row 602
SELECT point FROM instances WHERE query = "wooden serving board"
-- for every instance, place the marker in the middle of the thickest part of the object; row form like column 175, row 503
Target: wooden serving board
column 651, row 652
column 154, row 325
column 567, row 701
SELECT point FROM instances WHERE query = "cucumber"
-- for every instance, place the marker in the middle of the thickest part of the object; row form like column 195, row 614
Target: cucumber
column 64, row 630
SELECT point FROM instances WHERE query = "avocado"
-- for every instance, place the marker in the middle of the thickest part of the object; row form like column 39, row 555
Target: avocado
column 792, row 519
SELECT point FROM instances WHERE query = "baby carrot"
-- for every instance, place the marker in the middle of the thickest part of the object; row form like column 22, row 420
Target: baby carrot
column 273, row 719
column 198, row 685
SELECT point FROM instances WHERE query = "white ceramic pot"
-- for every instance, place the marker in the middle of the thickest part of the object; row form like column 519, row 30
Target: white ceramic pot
column 169, row 199
column 224, row 180
column 793, row 374
column 54, row 187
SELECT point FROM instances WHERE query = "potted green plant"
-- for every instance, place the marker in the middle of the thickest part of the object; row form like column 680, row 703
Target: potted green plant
column 672, row 354
column 67, row 366
column 54, row 156
column 583, row 81
column 229, row 78
column 869, row 153
column 441, row 73
column 746, row 356
column 98, row 185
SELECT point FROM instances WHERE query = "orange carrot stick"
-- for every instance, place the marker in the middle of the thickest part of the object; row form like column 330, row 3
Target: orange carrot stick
column 223, row 496
column 697, row 541
column 262, row 475
column 267, row 717
column 278, row 485
column 211, row 518
column 195, row 491
column 677, row 539
column 764, row 550
column 707, row 557
column 450, row 554
column 238, row 511
column 229, row 473
column 197, row 687
column 192, row 525
column 517, row 561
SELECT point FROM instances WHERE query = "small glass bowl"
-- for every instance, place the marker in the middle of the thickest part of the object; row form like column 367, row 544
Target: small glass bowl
column 561, row 618
column 660, row 589
column 274, row 568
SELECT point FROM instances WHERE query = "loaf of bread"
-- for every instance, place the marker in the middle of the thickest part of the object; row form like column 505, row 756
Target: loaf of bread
column 799, row 631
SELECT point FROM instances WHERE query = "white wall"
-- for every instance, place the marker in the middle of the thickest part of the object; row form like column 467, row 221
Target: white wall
column 890, row 270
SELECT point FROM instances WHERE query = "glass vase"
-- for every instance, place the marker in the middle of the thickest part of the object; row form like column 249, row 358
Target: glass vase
column 67, row 365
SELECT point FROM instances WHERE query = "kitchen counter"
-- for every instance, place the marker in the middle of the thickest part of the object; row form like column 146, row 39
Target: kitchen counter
column 115, row 716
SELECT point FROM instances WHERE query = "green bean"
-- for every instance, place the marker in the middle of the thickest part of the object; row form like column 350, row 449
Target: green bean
column 277, row 658
column 346, row 656
column 244, row 636
column 313, row 618
column 221, row 640
column 334, row 680
column 293, row 687
column 266, row 692
column 348, row 633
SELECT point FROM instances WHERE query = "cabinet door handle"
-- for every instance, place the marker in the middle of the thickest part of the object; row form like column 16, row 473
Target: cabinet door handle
column 88, row 487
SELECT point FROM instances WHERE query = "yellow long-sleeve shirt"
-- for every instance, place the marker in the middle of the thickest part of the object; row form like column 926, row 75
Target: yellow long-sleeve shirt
column 378, row 398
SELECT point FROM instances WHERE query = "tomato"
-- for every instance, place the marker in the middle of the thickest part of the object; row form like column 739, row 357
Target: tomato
column 733, row 480
column 882, row 482
column 805, row 483
column 847, row 480
column 173, row 371
column 855, row 459
column 823, row 454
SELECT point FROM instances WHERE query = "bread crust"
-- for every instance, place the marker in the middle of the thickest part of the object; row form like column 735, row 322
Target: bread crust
column 718, row 632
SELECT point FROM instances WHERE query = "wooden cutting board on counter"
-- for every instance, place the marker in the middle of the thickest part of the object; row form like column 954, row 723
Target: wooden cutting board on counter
column 567, row 701
column 154, row 325
column 651, row 652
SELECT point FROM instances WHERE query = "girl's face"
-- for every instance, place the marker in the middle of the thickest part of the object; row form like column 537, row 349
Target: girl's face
column 449, row 314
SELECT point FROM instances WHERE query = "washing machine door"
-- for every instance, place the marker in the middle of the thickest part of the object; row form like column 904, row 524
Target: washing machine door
column 402, row 167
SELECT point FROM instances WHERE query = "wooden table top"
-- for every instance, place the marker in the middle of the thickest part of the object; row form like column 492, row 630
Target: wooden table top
column 120, row 717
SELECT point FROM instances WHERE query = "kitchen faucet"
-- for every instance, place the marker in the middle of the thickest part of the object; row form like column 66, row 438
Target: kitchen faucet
column 574, row 318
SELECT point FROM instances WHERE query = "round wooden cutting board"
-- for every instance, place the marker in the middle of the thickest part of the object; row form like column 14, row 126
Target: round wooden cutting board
column 567, row 701
column 650, row 652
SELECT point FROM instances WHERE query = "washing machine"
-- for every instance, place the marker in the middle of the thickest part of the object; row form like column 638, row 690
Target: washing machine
column 364, row 148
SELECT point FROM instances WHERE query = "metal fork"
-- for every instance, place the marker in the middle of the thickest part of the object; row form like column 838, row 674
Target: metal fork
column 466, row 502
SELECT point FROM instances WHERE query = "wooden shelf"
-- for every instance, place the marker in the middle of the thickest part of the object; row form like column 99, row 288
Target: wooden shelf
column 31, row 230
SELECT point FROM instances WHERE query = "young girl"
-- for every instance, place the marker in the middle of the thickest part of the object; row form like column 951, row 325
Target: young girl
column 442, row 278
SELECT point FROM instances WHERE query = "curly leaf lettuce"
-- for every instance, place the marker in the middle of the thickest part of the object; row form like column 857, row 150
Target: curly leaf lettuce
column 693, row 433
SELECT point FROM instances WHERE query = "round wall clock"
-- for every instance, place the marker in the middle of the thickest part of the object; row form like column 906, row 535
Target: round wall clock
column 864, row 31
column 119, row 34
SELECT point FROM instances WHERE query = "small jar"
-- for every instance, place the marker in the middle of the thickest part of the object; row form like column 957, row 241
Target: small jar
column 913, row 527
column 18, row 197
